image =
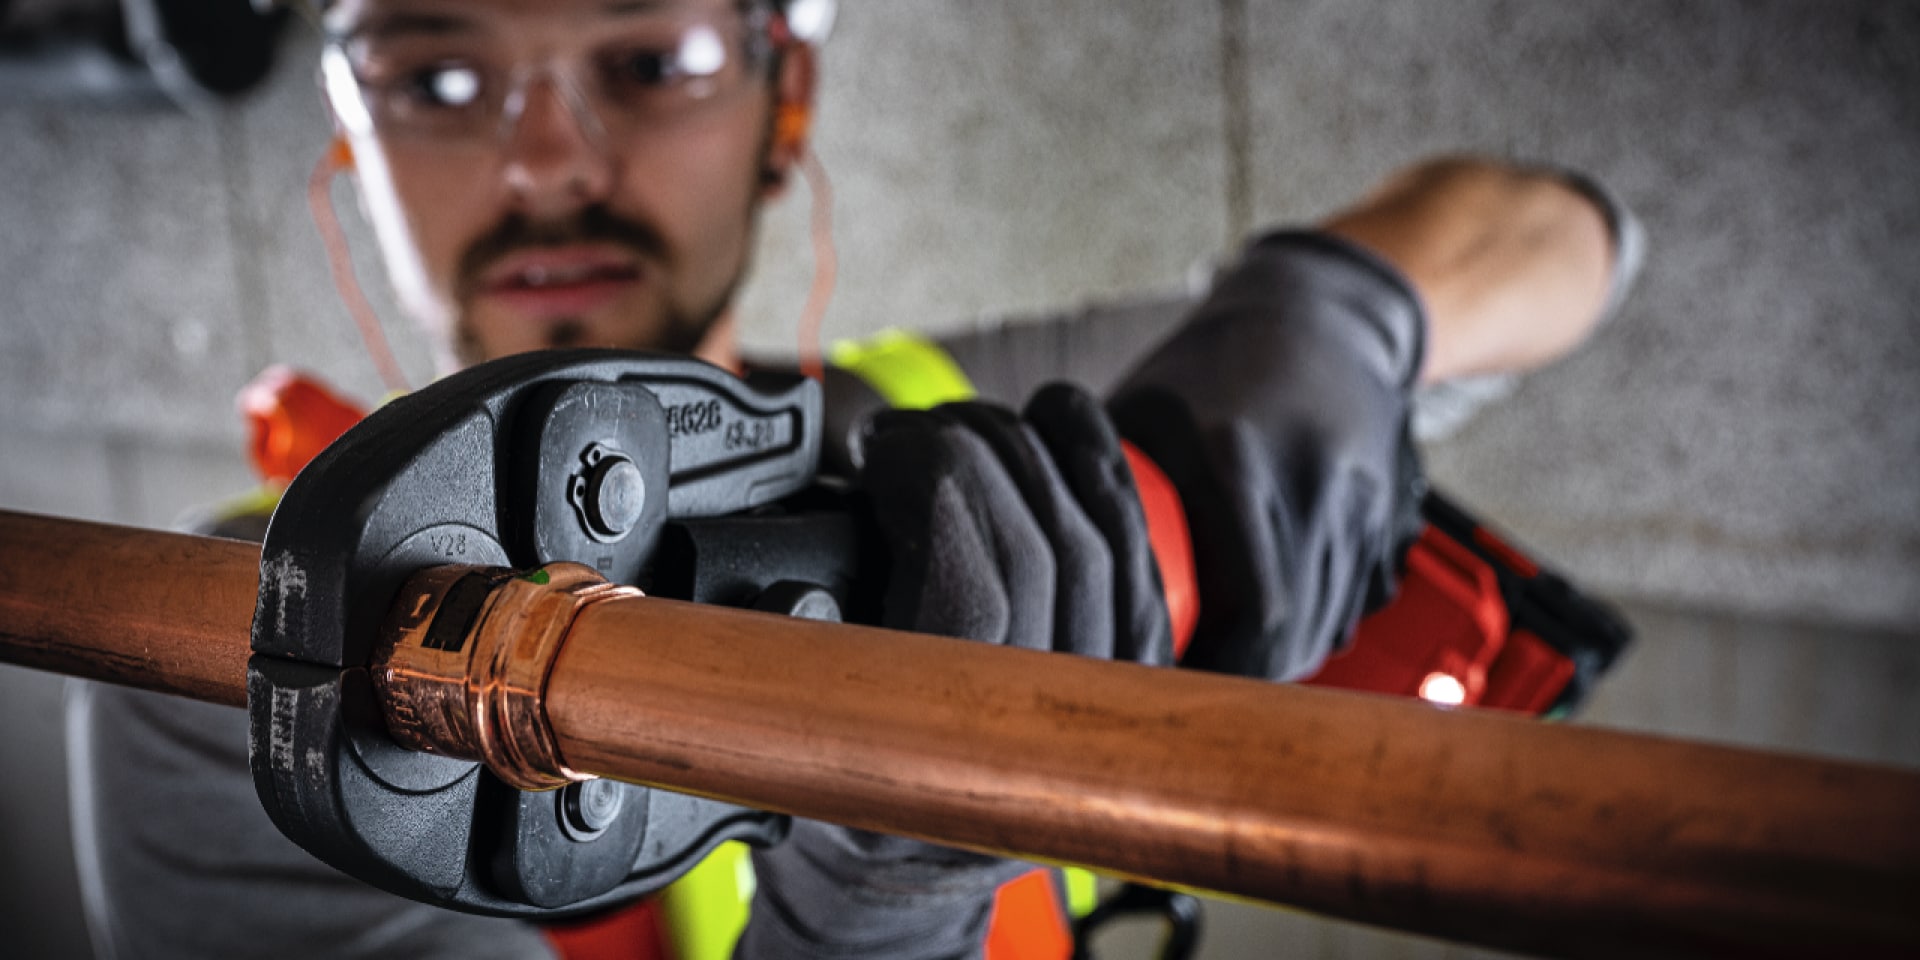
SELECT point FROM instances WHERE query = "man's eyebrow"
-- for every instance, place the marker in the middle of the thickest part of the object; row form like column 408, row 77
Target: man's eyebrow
column 387, row 26
column 622, row 7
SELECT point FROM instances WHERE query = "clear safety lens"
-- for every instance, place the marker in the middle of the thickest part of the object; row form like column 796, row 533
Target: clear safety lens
column 465, row 87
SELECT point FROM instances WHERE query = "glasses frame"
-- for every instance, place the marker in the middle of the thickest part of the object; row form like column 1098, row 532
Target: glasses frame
column 765, row 34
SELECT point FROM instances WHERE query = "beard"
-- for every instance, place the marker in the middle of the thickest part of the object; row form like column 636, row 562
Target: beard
column 682, row 327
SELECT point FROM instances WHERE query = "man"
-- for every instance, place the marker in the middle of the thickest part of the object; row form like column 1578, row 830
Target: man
column 574, row 173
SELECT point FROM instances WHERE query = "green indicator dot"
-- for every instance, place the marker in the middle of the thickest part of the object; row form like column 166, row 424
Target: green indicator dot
column 537, row 577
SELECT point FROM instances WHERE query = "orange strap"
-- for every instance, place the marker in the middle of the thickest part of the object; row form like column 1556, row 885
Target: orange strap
column 632, row 932
column 290, row 417
column 1172, row 544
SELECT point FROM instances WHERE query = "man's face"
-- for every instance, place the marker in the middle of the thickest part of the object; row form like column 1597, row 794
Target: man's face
column 550, row 173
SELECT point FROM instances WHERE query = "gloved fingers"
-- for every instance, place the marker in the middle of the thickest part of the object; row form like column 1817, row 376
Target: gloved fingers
column 1086, row 450
column 1364, row 544
column 1083, row 620
column 1309, row 556
column 1331, row 575
column 1248, row 606
column 969, row 560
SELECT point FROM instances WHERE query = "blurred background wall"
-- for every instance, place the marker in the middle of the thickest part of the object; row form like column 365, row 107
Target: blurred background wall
column 1736, row 459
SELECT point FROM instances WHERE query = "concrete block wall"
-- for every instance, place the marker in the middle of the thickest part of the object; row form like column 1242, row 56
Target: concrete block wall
column 1735, row 455
column 1741, row 437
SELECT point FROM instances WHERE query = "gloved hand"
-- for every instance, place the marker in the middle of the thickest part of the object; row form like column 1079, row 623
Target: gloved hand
column 1020, row 530
column 1279, row 412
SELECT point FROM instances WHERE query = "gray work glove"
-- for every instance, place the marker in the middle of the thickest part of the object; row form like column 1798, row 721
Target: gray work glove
column 1279, row 411
column 1019, row 530
column 1022, row 530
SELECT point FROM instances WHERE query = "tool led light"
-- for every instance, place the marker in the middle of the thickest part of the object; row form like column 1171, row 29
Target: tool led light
column 1443, row 689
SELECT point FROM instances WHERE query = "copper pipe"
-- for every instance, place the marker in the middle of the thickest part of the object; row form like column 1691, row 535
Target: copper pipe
column 1462, row 824
column 1458, row 823
column 143, row 608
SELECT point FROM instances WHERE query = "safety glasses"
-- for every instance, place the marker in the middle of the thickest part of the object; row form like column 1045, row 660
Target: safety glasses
column 456, row 80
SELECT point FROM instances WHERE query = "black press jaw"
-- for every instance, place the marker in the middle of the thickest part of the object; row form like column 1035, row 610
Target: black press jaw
column 594, row 457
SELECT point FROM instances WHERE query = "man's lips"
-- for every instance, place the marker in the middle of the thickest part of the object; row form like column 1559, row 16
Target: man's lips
column 560, row 282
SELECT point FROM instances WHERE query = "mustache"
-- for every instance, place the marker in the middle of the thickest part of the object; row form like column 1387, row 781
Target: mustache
column 594, row 224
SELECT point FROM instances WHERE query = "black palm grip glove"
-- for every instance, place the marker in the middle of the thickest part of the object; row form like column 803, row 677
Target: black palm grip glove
column 1279, row 411
column 1020, row 530
column 1075, row 428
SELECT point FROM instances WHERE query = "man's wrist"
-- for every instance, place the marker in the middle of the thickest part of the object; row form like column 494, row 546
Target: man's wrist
column 1511, row 263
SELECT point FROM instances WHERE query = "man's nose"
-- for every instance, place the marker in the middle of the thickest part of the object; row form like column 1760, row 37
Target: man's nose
column 556, row 153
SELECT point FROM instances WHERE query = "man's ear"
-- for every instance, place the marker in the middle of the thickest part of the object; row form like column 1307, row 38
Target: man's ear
column 793, row 91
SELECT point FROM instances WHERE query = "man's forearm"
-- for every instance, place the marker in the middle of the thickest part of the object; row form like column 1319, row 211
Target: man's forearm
column 1513, row 264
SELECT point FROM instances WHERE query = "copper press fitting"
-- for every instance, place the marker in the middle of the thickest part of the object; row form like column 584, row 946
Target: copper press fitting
column 464, row 666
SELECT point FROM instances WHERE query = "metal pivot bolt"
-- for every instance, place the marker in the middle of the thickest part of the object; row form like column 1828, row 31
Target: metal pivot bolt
column 611, row 495
column 588, row 808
